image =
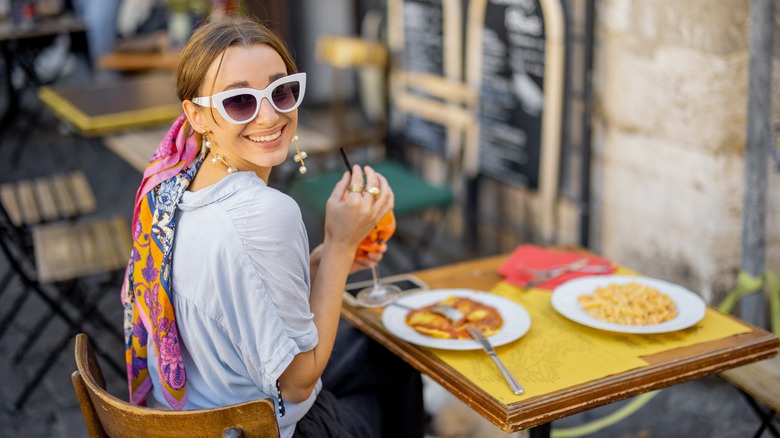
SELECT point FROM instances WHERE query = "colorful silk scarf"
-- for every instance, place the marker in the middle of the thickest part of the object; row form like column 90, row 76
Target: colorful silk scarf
column 146, row 292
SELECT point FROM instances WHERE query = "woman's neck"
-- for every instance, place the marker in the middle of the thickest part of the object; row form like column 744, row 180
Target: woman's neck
column 214, row 170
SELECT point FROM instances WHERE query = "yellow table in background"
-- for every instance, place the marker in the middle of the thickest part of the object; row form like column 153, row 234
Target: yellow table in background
column 134, row 102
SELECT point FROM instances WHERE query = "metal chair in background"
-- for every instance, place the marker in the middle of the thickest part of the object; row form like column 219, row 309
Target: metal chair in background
column 759, row 382
column 63, row 259
column 30, row 202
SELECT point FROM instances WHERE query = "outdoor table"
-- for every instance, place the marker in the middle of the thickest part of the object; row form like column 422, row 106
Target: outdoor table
column 552, row 344
column 125, row 104
column 133, row 62
column 19, row 45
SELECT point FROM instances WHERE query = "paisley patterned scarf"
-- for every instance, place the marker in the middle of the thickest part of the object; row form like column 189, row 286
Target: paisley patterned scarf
column 146, row 292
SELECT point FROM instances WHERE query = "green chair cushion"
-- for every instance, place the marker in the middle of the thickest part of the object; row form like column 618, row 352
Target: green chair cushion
column 412, row 193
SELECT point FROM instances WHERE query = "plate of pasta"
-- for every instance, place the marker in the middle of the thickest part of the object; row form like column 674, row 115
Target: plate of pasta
column 500, row 319
column 628, row 304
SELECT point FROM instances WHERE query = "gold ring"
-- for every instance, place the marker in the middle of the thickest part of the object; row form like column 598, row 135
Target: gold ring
column 373, row 191
column 356, row 188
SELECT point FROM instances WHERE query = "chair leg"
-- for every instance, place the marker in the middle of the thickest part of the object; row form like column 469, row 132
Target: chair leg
column 766, row 417
column 32, row 337
column 11, row 314
column 422, row 243
column 429, row 236
column 55, row 352
column 40, row 372
column 6, row 281
column 96, row 319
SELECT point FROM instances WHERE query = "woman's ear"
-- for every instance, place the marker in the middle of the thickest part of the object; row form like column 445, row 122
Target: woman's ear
column 194, row 115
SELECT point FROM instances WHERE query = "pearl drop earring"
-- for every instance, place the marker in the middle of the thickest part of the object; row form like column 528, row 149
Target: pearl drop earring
column 299, row 156
column 217, row 159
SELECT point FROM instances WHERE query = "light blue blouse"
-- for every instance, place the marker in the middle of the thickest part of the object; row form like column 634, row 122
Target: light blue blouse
column 241, row 294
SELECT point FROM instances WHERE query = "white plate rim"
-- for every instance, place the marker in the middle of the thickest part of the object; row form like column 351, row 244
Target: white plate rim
column 691, row 308
column 517, row 321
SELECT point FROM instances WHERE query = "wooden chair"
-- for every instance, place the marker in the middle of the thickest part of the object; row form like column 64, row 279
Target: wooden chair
column 760, row 383
column 108, row 416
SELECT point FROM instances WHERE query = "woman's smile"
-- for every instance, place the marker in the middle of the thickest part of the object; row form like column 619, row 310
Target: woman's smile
column 265, row 138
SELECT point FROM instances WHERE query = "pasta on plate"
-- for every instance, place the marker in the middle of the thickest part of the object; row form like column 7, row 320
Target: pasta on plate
column 629, row 304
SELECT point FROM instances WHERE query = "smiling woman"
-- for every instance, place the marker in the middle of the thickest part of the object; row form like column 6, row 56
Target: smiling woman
column 235, row 308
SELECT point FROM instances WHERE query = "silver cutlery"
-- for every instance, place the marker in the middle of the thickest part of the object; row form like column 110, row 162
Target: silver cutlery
column 482, row 340
column 456, row 316
column 580, row 265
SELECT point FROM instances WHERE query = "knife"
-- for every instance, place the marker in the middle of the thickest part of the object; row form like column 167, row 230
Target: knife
column 480, row 338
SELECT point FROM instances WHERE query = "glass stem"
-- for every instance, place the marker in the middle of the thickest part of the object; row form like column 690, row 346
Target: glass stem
column 375, row 276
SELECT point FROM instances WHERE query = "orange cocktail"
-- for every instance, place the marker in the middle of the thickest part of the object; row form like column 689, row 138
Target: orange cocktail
column 378, row 294
column 379, row 235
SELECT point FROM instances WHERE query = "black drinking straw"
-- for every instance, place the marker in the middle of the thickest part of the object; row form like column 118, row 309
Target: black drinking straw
column 346, row 160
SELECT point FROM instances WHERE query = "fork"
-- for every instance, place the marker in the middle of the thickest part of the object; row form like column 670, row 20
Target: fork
column 457, row 316
column 580, row 265
column 444, row 310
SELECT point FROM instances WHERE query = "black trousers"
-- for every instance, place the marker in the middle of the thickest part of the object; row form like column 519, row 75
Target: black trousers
column 367, row 392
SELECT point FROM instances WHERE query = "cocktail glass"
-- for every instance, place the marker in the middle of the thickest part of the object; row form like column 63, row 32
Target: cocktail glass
column 379, row 294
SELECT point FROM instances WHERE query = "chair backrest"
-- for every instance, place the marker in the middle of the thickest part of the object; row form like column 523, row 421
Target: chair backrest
column 107, row 415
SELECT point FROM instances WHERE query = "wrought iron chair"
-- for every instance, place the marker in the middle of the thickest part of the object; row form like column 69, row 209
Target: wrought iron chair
column 64, row 262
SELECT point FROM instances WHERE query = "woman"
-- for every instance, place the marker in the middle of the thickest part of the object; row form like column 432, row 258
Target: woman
column 234, row 308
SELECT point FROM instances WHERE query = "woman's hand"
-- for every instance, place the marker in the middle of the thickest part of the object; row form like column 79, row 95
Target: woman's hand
column 352, row 213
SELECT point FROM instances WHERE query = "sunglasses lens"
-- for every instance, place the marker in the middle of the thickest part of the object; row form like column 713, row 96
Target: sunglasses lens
column 241, row 107
column 286, row 95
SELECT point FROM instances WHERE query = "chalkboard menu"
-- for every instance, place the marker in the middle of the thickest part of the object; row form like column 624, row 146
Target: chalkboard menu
column 511, row 97
column 424, row 52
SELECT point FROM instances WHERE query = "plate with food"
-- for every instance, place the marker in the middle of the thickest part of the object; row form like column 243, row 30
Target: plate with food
column 628, row 304
column 500, row 319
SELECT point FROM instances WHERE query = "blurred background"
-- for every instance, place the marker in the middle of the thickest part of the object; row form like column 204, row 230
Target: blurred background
column 646, row 132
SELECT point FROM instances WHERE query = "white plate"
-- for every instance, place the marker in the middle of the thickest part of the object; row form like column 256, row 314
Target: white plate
column 690, row 307
column 516, row 319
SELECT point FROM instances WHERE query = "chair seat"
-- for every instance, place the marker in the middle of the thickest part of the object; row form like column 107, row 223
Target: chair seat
column 68, row 250
column 56, row 197
column 412, row 193
column 760, row 380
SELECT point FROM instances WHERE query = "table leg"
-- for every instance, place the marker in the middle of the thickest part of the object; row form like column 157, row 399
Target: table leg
column 13, row 100
column 540, row 431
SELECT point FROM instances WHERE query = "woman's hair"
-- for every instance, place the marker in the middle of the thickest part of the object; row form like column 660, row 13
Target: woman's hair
column 211, row 39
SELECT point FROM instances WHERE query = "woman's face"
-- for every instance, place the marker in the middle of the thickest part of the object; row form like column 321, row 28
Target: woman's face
column 263, row 142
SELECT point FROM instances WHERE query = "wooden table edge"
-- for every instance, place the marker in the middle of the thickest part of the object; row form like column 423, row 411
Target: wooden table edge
column 544, row 408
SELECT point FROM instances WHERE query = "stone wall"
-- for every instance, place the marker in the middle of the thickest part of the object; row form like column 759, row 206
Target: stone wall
column 669, row 139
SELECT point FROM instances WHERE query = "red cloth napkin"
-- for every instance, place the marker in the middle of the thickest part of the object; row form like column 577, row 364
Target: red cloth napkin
column 525, row 258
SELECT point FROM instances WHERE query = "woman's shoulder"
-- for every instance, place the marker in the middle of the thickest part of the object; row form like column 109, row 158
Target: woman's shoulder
column 237, row 191
column 255, row 197
column 243, row 206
